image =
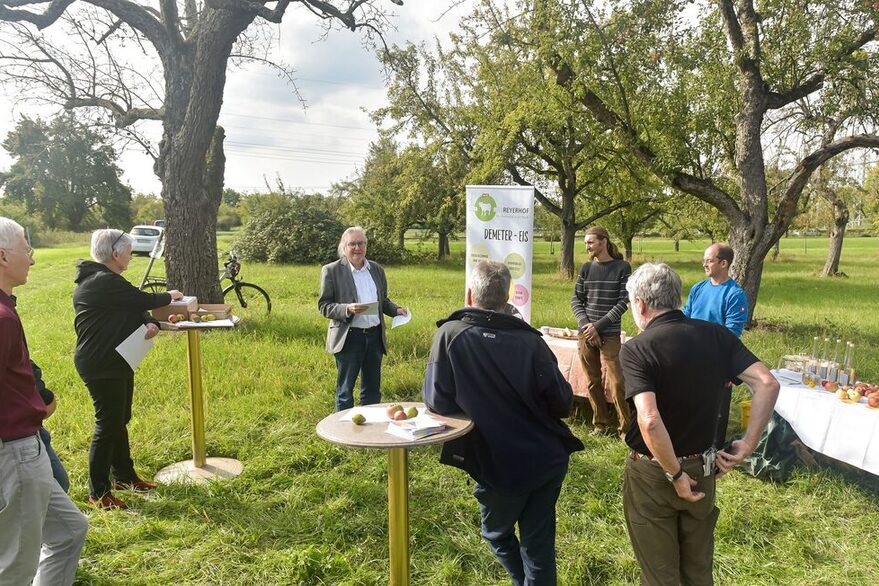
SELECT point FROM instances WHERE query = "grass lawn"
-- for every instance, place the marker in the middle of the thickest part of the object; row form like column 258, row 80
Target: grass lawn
column 308, row 512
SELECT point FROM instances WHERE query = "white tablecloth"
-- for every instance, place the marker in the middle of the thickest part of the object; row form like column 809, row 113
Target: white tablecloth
column 848, row 432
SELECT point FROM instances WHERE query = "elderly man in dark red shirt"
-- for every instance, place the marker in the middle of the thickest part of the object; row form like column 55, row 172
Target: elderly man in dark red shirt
column 41, row 530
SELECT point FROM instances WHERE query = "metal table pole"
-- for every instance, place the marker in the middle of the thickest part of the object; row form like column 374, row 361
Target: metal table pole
column 196, row 397
column 398, row 515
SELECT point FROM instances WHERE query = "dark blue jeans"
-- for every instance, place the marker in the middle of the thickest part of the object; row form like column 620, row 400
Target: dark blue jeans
column 530, row 558
column 361, row 354
column 58, row 470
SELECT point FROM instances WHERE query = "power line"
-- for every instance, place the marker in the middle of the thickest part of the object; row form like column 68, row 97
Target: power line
column 297, row 122
column 292, row 148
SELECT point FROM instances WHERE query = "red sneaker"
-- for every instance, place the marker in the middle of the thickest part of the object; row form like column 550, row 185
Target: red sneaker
column 137, row 485
column 108, row 501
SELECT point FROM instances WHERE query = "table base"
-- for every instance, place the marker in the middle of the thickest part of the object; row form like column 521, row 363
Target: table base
column 398, row 515
column 188, row 472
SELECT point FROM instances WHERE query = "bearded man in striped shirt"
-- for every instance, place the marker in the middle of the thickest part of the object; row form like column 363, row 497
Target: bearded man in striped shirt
column 599, row 302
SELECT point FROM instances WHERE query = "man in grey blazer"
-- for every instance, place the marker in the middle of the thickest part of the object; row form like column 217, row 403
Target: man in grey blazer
column 350, row 288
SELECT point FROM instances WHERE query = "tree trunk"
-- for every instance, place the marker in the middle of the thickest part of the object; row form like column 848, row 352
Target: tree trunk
column 401, row 238
column 677, row 245
column 191, row 213
column 750, row 246
column 627, row 245
column 837, row 233
column 191, row 161
column 443, row 246
column 569, row 239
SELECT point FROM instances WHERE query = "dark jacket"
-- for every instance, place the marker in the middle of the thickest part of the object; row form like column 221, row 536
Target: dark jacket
column 497, row 370
column 47, row 395
column 108, row 309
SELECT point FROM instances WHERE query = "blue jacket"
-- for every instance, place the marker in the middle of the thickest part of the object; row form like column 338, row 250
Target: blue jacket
column 497, row 370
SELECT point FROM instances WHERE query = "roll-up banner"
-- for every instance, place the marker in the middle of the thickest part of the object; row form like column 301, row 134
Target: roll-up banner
column 500, row 223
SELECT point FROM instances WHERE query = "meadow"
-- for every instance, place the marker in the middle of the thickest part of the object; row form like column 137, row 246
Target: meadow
column 308, row 512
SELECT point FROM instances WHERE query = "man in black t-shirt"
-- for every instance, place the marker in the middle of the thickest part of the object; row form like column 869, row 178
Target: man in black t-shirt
column 675, row 372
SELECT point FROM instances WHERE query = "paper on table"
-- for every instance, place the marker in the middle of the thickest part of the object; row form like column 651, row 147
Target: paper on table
column 135, row 347
column 401, row 320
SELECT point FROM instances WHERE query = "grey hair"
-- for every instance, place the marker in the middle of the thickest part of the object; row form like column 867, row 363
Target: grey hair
column 103, row 245
column 657, row 285
column 10, row 230
column 344, row 240
column 490, row 285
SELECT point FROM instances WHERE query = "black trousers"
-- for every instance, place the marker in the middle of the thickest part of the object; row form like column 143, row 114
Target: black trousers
column 109, row 449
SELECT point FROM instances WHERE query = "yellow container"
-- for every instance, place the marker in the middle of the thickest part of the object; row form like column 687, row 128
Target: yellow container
column 746, row 413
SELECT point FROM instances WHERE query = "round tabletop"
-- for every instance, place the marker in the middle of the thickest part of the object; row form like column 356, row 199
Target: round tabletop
column 339, row 429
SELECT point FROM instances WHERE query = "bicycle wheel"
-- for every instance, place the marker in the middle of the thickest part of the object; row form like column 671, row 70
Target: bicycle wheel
column 155, row 287
column 251, row 300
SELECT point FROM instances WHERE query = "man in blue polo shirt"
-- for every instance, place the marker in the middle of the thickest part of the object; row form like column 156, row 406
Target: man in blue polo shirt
column 718, row 299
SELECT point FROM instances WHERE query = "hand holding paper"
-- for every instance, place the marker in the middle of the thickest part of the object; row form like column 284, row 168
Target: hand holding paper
column 400, row 320
column 135, row 347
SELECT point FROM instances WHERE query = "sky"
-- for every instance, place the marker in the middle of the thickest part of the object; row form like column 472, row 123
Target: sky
column 269, row 133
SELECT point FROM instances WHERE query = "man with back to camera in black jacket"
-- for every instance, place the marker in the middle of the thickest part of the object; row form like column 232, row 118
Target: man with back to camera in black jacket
column 497, row 370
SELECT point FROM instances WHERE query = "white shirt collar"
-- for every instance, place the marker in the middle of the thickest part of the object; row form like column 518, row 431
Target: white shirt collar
column 365, row 266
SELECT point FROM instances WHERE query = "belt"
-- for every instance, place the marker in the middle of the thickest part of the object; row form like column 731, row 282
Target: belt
column 639, row 456
column 18, row 439
column 364, row 330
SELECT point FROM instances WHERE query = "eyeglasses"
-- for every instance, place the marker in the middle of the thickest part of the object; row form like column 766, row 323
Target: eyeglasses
column 115, row 242
column 360, row 243
column 29, row 251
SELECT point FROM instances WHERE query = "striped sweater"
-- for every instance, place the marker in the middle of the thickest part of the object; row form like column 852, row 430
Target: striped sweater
column 600, row 295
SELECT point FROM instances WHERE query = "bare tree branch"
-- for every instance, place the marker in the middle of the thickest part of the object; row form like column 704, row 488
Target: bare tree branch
column 816, row 81
column 804, row 170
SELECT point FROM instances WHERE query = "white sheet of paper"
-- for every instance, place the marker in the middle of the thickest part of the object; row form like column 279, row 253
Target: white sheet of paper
column 135, row 347
column 371, row 308
column 401, row 320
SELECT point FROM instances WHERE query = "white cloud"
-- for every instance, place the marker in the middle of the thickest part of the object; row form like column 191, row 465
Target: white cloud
column 268, row 132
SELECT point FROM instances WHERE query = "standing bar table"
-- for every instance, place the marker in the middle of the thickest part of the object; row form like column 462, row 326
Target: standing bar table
column 373, row 435
column 200, row 468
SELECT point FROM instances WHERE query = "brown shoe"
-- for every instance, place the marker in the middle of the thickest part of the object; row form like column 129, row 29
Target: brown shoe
column 137, row 485
column 108, row 501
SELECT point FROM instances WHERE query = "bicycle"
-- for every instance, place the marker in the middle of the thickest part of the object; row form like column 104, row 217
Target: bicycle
column 251, row 298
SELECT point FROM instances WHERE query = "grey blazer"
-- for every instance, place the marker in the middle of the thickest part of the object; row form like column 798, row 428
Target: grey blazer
column 337, row 290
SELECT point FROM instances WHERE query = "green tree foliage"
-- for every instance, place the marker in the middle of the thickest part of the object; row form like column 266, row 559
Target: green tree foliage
column 231, row 197
column 147, row 208
column 870, row 190
column 493, row 97
column 65, row 173
column 294, row 229
column 373, row 198
column 707, row 97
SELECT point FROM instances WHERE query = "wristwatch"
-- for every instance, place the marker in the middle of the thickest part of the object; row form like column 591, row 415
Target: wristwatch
column 675, row 476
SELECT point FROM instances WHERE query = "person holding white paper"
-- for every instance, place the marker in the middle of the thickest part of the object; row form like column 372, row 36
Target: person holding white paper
column 108, row 309
column 349, row 288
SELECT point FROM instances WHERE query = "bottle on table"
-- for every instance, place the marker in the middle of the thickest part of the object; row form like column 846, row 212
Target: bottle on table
column 833, row 363
column 823, row 361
